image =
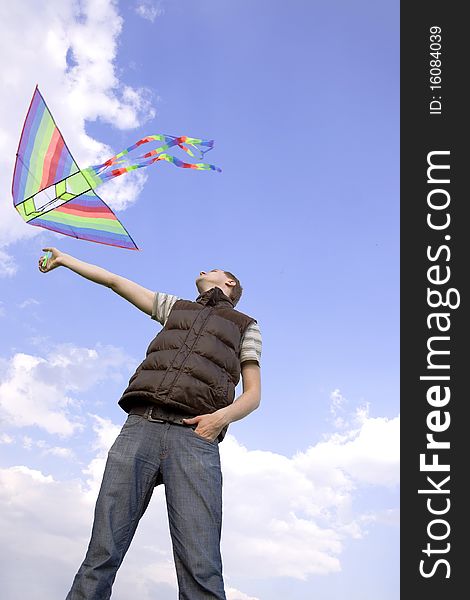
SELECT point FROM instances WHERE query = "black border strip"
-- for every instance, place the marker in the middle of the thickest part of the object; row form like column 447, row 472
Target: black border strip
column 433, row 568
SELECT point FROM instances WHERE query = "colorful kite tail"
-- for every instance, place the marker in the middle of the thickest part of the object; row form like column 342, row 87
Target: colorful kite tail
column 98, row 174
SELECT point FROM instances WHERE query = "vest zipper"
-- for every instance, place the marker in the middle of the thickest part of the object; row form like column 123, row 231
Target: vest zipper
column 189, row 353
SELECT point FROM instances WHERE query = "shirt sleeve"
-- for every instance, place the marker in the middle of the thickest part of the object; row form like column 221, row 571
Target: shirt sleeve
column 162, row 305
column 251, row 344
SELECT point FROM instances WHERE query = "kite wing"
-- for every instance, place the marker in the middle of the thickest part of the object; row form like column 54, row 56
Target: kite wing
column 50, row 191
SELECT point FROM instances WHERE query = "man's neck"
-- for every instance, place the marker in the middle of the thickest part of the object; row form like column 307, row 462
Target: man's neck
column 217, row 291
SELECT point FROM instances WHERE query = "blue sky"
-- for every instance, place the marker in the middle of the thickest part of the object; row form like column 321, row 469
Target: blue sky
column 303, row 102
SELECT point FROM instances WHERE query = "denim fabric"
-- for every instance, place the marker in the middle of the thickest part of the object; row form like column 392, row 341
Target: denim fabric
column 189, row 467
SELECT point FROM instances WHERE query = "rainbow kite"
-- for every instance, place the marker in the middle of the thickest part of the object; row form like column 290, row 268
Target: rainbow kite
column 51, row 191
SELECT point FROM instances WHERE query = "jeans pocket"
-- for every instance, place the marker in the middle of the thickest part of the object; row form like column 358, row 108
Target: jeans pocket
column 199, row 437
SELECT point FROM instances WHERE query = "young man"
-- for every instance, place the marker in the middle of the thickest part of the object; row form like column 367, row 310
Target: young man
column 180, row 403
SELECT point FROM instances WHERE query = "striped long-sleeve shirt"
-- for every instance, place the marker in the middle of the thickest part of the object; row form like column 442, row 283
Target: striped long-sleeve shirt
column 251, row 342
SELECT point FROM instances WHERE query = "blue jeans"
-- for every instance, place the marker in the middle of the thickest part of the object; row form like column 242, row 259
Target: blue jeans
column 145, row 454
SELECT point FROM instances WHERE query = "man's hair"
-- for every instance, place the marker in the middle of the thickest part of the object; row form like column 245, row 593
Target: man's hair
column 236, row 290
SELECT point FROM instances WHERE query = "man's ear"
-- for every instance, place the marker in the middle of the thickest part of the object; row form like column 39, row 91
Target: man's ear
column 231, row 283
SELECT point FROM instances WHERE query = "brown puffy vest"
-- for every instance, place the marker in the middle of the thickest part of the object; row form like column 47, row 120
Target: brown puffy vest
column 193, row 365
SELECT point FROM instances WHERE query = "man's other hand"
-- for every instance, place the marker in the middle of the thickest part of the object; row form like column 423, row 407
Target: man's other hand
column 208, row 426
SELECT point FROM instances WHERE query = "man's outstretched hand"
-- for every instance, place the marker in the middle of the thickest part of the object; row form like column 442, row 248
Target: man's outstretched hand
column 53, row 260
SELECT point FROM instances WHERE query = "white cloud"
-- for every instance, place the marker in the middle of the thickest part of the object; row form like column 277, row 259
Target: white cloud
column 337, row 400
column 27, row 442
column 337, row 406
column 369, row 454
column 39, row 391
column 343, row 419
column 46, row 449
column 234, row 594
column 122, row 194
column 293, row 515
column 106, row 433
column 70, row 49
column 29, row 302
column 6, row 439
column 43, row 528
column 7, row 265
column 26, row 400
column 283, row 516
column 60, row 452
column 149, row 10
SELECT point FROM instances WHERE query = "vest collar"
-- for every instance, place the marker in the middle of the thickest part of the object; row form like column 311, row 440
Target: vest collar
column 213, row 296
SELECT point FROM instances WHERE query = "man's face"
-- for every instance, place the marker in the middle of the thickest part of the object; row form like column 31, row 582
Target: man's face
column 209, row 279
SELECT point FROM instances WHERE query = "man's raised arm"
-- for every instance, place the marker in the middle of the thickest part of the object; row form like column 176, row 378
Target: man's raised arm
column 134, row 293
